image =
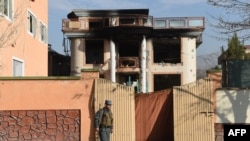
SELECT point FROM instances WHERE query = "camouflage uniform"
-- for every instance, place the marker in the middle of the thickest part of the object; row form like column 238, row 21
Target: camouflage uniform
column 104, row 121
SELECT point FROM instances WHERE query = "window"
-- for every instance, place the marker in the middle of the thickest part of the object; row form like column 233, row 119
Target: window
column 159, row 23
column 195, row 23
column 169, row 80
column 31, row 24
column 43, row 33
column 6, row 8
column 94, row 52
column 17, row 67
column 177, row 23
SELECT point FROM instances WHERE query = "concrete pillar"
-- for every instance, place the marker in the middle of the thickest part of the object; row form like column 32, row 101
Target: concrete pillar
column 150, row 56
column 78, row 57
column 188, row 57
column 143, row 65
column 112, row 61
column 107, row 60
column 106, row 56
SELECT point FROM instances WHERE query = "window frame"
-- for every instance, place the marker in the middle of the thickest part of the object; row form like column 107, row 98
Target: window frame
column 13, row 67
column 31, row 24
column 43, row 32
column 8, row 9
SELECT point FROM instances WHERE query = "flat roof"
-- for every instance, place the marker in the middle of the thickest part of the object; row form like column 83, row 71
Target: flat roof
column 106, row 12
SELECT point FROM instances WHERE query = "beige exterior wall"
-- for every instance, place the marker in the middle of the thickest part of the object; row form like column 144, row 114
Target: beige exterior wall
column 216, row 78
column 123, row 107
column 232, row 106
column 193, row 111
column 22, row 45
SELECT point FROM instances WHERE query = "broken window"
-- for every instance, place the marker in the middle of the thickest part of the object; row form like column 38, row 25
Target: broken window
column 128, row 79
column 95, row 24
column 166, row 81
column 167, row 50
column 128, row 53
column 94, row 52
column 128, row 21
column 128, row 48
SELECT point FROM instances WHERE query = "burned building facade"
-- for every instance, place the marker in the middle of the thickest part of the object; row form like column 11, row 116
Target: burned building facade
column 130, row 47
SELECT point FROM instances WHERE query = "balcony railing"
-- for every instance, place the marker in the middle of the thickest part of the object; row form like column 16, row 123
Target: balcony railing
column 146, row 21
column 136, row 21
column 128, row 62
column 179, row 22
column 74, row 24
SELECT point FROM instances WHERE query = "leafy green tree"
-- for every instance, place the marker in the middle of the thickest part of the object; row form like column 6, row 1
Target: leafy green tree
column 247, row 56
column 235, row 48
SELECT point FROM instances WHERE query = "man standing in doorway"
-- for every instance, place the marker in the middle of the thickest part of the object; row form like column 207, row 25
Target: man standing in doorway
column 104, row 121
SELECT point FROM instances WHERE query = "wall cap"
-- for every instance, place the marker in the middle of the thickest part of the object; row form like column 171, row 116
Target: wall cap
column 90, row 70
column 41, row 78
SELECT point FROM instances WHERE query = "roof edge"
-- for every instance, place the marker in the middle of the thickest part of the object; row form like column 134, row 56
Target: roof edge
column 106, row 12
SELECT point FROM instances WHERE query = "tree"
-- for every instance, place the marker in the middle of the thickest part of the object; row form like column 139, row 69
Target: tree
column 235, row 20
column 235, row 48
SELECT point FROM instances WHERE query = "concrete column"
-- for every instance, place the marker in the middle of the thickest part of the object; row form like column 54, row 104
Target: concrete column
column 107, row 60
column 107, row 55
column 83, row 51
column 112, row 61
column 143, row 65
column 150, row 56
column 188, row 57
column 77, row 55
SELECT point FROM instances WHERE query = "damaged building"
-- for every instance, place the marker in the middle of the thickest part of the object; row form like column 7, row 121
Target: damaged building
column 130, row 47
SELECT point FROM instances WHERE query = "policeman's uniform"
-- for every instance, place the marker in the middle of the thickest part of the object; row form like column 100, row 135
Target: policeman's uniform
column 104, row 121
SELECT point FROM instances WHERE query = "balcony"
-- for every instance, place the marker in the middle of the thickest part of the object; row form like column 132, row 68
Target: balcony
column 82, row 24
column 128, row 62
column 179, row 23
column 141, row 21
column 99, row 23
column 74, row 25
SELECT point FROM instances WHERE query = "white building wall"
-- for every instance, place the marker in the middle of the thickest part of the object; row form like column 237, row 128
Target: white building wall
column 232, row 106
column 188, row 57
column 187, row 69
column 112, row 61
column 143, row 65
column 149, row 44
column 106, row 55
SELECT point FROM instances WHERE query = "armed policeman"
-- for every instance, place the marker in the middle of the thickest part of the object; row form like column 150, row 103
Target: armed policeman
column 104, row 121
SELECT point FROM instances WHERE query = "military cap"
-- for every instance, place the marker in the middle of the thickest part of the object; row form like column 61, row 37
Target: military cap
column 108, row 102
